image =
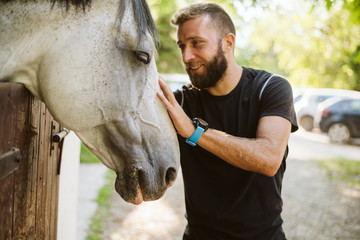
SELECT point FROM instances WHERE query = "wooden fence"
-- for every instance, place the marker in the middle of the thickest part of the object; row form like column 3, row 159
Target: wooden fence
column 28, row 187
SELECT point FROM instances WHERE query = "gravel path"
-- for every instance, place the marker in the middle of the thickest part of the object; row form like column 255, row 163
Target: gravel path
column 314, row 208
column 157, row 220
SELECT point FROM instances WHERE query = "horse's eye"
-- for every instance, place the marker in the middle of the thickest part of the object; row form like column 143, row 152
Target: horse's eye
column 142, row 56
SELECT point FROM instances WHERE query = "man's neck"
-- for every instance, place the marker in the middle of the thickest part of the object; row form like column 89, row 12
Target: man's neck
column 228, row 82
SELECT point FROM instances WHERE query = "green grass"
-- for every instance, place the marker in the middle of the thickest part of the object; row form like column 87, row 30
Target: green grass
column 342, row 170
column 95, row 231
column 86, row 156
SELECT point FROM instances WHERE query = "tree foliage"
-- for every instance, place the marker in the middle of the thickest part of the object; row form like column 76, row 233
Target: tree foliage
column 354, row 8
column 309, row 49
column 352, row 5
column 169, row 58
column 313, row 48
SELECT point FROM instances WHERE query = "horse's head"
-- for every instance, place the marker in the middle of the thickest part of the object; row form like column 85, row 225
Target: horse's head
column 95, row 71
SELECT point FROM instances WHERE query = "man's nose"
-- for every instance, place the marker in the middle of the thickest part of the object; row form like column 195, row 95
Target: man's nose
column 187, row 55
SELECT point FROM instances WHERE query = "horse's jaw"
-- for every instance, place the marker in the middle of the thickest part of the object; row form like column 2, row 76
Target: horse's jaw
column 146, row 162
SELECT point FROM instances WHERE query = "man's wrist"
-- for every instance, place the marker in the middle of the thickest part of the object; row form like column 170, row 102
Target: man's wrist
column 190, row 131
column 200, row 127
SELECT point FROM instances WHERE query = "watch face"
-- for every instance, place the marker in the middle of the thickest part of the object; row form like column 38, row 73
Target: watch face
column 201, row 123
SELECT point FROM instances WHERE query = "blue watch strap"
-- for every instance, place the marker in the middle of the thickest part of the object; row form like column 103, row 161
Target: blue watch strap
column 195, row 136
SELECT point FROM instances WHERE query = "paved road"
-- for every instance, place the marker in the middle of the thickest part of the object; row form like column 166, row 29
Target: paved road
column 313, row 146
column 314, row 208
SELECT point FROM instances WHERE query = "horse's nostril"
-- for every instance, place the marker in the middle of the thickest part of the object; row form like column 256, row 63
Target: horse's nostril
column 170, row 175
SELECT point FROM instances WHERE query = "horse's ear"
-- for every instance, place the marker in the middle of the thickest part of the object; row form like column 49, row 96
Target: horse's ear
column 144, row 21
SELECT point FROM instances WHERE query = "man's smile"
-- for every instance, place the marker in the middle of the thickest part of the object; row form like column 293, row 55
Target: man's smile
column 194, row 68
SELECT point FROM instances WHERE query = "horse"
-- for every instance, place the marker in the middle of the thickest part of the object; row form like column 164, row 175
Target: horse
column 93, row 65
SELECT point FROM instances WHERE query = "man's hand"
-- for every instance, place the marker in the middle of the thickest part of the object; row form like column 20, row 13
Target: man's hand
column 181, row 121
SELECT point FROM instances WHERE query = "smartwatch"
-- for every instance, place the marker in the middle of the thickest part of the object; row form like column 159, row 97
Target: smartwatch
column 200, row 127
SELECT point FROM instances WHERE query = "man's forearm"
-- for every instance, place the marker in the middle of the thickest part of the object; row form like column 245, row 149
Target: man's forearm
column 262, row 154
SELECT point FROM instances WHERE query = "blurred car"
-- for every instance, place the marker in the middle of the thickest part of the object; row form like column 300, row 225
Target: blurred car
column 306, row 107
column 297, row 93
column 339, row 117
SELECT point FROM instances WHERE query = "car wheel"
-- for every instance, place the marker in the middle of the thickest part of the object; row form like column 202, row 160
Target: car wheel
column 339, row 133
column 307, row 123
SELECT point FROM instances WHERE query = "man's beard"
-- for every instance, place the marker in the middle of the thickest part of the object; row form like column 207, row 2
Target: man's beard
column 215, row 69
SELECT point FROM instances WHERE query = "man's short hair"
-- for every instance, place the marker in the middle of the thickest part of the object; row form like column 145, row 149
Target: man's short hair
column 219, row 18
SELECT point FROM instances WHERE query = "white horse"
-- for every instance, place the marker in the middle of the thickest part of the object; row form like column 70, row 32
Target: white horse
column 94, row 68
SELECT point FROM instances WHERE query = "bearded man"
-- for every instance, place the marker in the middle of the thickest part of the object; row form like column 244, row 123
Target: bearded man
column 233, row 125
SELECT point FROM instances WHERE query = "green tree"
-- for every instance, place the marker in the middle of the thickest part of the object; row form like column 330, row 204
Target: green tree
column 352, row 5
column 169, row 58
column 313, row 48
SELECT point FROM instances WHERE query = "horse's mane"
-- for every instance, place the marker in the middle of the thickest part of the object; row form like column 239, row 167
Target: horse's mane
column 142, row 14
column 67, row 3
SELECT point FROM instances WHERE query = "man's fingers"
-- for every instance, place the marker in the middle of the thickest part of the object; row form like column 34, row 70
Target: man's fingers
column 163, row 99
column 166, row 90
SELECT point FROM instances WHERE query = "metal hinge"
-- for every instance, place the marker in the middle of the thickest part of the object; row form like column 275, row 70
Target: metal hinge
column 9, row 162
column 59, row 139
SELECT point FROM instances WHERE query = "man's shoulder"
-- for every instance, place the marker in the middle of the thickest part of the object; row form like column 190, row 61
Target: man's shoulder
column 258, row 77
column 256, row 74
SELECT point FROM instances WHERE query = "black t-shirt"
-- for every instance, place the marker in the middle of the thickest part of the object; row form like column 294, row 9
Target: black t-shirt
column 224, row 201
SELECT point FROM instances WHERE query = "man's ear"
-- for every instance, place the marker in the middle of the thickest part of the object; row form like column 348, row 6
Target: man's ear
column 228, row 43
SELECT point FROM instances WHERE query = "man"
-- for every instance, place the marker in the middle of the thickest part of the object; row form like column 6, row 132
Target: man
column 232, row 165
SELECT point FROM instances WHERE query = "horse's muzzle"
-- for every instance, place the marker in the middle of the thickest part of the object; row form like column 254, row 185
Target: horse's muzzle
column 138, row 185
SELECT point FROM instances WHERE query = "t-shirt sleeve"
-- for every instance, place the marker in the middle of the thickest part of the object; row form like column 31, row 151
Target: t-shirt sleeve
column 277, row 100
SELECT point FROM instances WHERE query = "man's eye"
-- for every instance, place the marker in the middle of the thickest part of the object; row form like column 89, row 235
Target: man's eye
column 196, row 43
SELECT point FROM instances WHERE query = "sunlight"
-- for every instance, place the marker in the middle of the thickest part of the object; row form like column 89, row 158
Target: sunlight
column 350, row 192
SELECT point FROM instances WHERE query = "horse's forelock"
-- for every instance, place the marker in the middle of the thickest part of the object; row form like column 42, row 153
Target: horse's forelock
column 141, row 10
column 142, row 17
